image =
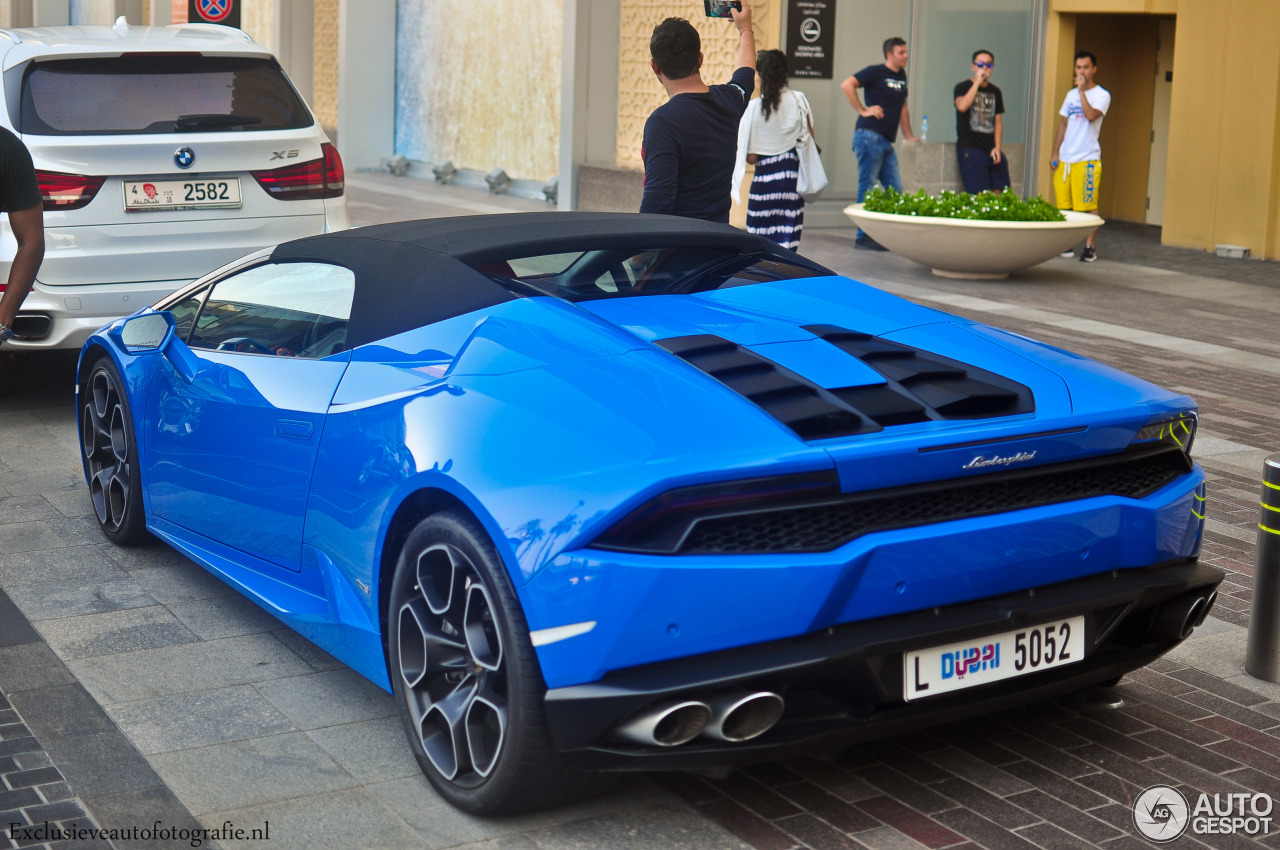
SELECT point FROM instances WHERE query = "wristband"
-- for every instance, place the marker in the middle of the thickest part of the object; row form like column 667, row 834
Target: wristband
column 6, row 333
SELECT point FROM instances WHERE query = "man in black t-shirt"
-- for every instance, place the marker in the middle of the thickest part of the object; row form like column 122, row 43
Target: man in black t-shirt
column 878, row 123
column 980, row 128
column 691, row 141
column 20, row 198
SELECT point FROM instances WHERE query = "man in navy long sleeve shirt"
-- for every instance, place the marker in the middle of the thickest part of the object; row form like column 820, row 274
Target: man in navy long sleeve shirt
column 690, row 142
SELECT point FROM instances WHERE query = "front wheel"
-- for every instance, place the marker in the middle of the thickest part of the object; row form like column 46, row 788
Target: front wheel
column 110, row 454
column 466, row 675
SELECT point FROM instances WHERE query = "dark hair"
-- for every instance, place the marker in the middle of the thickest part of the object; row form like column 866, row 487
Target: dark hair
column 1084, row 54
column 890, row 43
column 675, row 46
column 978, row 53
column 771, row 65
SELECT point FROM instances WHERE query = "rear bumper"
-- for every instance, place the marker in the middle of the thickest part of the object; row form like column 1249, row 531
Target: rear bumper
column 65, row 316
column 845, row 684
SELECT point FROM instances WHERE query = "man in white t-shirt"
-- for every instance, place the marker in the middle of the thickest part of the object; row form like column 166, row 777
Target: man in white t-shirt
column 1077, row 156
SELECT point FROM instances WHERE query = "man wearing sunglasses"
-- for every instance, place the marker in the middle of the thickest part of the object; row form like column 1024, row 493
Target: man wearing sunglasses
column 980, row 128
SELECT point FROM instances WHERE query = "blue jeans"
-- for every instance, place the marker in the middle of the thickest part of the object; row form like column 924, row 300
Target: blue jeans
column 979, row 173
column 877, row 161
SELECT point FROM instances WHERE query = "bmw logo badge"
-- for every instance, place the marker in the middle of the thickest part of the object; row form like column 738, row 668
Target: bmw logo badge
column 184, row 157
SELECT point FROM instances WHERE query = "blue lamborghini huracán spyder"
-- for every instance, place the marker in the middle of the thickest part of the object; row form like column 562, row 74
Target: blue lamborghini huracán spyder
column 597, row 492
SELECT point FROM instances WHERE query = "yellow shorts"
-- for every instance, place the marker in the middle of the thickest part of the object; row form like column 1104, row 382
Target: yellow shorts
column 1076, row 185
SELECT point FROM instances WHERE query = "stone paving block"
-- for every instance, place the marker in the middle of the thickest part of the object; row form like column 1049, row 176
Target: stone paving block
column 371, row 751
column 187, row 581
column 55, row 600
column 27, row 537
column 144, row 808
column 319, row 660
column 240, row 774
column 59, row 712
column 1220, row 655
column 640, row 828
column 835, row 779
column 75, row 502
column 152, row 673
column 819, row 835
column 830, row 808
column 417, row 804
column 19, row 509
column 975, row 770
column 225, row 616
column 127, row 630
column 761, row 799
column 36, row 480
column 984, row 832
column 28, row 666
column 328, row 699
column 83, row 563
column 14, row 628
column 152, row 555
column 77, row 530
column 186, row 721
column 102, row 763
column 352, row 818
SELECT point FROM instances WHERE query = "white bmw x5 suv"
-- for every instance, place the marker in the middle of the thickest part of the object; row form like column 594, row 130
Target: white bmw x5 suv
column 162, row 153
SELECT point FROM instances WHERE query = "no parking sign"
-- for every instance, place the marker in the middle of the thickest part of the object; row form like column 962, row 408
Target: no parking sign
column 226, row 12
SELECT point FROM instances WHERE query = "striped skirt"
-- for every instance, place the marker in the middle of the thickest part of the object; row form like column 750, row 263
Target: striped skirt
column 774, row 209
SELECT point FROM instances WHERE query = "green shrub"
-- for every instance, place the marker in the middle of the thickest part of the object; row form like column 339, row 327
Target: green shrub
column 984, row 206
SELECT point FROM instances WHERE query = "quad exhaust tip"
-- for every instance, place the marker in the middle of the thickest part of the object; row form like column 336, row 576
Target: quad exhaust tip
column 738, row 717
column 1179, row 618
column 666, row 724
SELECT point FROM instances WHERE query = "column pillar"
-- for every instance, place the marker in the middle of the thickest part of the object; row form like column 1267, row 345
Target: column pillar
column 366, row 81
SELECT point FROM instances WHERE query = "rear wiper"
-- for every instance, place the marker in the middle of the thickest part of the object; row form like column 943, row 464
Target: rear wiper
column 208, row 120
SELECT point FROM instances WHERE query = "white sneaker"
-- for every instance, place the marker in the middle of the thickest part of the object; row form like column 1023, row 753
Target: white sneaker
column 1068, row 254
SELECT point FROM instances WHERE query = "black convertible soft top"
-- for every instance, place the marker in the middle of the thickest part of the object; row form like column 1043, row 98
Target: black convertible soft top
column 413, row 273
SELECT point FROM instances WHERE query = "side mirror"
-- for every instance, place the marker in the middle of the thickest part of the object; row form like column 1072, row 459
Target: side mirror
column 147, row 332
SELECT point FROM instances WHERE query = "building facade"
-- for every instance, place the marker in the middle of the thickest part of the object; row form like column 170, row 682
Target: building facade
column 560, row 89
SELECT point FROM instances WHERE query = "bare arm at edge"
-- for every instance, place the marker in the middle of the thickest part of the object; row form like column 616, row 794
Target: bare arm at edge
column 28, row 230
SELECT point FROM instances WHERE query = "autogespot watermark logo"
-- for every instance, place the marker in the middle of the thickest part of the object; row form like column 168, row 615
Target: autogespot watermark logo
column 1162, row 814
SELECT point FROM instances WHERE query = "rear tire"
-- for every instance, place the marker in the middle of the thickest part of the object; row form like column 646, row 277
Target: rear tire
column 466, row 676
column 110, row 454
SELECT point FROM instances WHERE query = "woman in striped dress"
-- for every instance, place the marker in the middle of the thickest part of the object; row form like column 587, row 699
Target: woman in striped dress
column 771, row 129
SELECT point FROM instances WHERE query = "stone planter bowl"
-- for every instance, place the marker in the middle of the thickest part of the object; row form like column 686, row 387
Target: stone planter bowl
column 962, row 248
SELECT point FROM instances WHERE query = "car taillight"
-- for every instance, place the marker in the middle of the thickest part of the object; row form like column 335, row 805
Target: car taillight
column 319, row 178
column 67, row 191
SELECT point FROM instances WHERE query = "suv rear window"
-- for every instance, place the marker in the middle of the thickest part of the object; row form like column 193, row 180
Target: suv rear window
column 158, row 93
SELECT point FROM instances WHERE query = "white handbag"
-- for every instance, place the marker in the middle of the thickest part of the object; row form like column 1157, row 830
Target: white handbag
column 813, row 177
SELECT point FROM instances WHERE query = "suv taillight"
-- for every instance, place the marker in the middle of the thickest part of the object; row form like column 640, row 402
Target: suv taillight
column 67, row 191
column 319, row 178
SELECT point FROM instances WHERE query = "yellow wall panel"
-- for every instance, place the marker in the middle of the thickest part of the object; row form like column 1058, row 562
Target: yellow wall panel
column 639, row 92
column 1126, row 49
column 1223, row 154
column 324, row 84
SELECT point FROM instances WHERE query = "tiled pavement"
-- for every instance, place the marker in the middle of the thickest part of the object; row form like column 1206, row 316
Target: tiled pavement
column 170, row 692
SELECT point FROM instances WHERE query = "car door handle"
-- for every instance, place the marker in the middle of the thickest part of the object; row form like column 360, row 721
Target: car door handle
column 293, row 429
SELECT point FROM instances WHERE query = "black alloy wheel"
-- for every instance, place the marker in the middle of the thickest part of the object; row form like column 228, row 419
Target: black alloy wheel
column 111, row 455
column 466, row 676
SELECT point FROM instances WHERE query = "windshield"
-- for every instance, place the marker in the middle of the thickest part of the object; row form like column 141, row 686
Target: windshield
column 158, row 93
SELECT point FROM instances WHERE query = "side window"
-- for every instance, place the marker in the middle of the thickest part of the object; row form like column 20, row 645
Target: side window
column 184, row 313
column 278, row 309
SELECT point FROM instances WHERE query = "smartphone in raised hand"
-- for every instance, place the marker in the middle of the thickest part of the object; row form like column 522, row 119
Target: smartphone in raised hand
column 721, row 8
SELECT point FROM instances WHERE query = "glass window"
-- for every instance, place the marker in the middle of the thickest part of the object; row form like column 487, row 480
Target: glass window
column 280, row 309
column 658, row 271
column 185, row 93
column 184, row 313
column 947, row 34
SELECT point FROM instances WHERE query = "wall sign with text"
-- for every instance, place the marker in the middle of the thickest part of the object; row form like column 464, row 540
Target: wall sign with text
column 811, row 38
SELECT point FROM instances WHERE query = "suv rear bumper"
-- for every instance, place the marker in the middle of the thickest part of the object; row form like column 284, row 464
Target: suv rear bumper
column 75, row 312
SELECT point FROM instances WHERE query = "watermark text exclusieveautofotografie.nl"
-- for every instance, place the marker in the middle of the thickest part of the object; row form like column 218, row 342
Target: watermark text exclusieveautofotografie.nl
column 1162, row 813
column 22, row 834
